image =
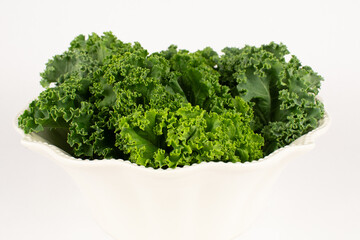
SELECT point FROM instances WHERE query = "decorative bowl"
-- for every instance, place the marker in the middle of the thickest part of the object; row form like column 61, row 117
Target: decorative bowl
column 206, row 201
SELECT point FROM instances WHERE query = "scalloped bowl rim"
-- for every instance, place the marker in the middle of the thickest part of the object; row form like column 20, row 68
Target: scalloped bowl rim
column 305, row 141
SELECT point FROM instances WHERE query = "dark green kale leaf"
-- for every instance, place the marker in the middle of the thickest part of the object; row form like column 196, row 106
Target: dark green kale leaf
column 283, row 94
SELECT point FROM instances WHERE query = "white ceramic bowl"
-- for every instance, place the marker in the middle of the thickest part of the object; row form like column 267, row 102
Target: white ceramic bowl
column 207, row 201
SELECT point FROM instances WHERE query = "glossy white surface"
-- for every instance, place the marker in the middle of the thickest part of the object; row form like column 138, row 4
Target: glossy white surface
column 206, row 201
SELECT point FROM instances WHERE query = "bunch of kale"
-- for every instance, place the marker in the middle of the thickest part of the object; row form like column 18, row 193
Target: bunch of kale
column 111, row 99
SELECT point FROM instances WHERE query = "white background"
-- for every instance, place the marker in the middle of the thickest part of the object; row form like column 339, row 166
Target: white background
column 317, row 196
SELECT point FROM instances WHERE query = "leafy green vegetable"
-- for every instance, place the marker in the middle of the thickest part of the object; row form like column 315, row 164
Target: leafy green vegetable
column 110, row 99
column 160, row 137
column 283, row 94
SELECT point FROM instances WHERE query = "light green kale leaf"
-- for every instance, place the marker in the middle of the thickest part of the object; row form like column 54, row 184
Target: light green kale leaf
column 161, row 138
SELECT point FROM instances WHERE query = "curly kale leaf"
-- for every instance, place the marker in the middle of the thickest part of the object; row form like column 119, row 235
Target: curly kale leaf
column 161, row 138
column 69, row 107
column 195, row 78
column 83, row 57
column 283, row 94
